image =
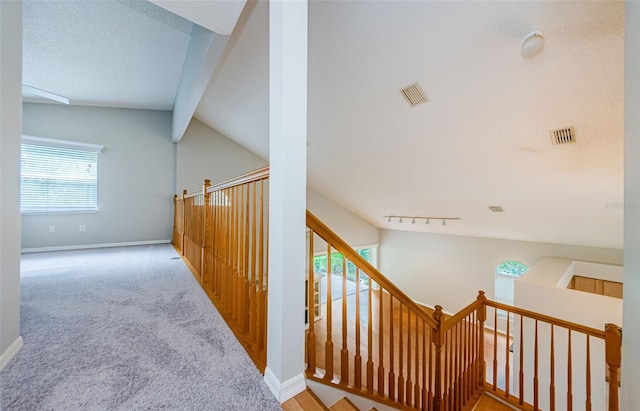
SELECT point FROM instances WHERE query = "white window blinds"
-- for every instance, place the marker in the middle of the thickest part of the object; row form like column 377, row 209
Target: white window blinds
column 58, row 176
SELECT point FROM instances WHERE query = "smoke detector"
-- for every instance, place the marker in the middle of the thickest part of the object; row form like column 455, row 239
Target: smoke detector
column 563, row 135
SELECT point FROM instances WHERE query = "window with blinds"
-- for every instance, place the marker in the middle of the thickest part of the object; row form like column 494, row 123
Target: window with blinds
column 58, row 176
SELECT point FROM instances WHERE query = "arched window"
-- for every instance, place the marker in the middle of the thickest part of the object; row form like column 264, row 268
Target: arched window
column 505, row 275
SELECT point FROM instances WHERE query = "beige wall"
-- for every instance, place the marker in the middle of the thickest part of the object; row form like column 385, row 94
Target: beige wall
column 204, row 153
column 135, row 175
column 449, row 270
column 10, row 124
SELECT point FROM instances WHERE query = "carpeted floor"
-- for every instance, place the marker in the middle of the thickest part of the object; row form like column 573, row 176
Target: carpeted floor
column 124, row 329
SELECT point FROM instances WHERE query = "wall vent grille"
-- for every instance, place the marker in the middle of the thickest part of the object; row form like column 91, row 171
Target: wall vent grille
column 563, row 135
column 496, row 209
column 414, row 94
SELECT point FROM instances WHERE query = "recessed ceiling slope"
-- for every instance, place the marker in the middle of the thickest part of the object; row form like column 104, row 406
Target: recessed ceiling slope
column 105, row 53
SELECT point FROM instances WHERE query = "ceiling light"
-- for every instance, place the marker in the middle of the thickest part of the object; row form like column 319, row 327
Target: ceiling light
column 413, row 221
column 444, row 222
column 428, row 222
column 400, row 220
column 532, row 44
column 389, row 220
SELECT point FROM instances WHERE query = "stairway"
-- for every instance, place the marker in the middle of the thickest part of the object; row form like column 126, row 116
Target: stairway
column 307, row 401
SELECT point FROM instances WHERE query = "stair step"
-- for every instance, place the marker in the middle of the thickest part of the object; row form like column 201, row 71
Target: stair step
column 305, row 401
column 343, row 405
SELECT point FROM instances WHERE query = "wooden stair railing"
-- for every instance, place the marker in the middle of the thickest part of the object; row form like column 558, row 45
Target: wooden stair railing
column 374, row 340
column 221, row 232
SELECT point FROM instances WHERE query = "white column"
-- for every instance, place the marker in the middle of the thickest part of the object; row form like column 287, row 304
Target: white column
column 630, row 374
column 288, row 170
column 10, row 132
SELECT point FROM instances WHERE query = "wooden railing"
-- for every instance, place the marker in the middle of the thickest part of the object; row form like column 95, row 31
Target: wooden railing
column 373, row 340
column 367, row 337
column 221, row 232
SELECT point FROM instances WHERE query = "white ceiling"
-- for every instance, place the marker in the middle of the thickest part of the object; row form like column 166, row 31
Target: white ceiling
column 481, row 140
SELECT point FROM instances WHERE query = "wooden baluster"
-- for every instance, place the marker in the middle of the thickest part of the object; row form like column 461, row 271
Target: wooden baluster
column 392, row 347
column 329, row 342
column 184, row 222
column 401, row 358
column 370, row 337
column 447, row 367
column 311, row 334
column 409, row 384
column 431, row 368
column 438, row 342
column 552, row 368
column 262, row 306
column 569, row 387
column 266, row 286
column 416, row 376
column 252, row 288
column 506, row 352
column 459, row 357
column 344, row 353
column 613, row 345
column 426, row 371
column 247, row 270
column 381, row 340
column 535, row 369
column 481, row 315
column 495, row 348
column 588, row 372
column 357, row 361
column 521, row 399
column 465, row 370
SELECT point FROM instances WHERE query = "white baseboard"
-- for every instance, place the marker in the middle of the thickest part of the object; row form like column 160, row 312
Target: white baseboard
column 87, row 246
column 10, row 352
column 285, row 390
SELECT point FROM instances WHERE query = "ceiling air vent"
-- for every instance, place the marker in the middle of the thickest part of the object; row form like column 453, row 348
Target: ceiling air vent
column 563, row 135
column 496, row 209
column 414, row 94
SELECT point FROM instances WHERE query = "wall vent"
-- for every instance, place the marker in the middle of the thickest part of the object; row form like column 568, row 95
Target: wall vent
column 414, row 94
column 563, row 135
column 496, row 209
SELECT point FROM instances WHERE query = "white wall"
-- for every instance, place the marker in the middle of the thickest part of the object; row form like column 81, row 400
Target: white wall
column 542, row 289
column 449, row 270
column 10, row 124
column 135, row 175
column 630, row 374
column 205, row 153
column 353, row 229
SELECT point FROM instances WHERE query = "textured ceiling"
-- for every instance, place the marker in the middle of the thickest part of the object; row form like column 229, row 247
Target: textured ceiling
column 105, row 53
column 482, row 139
column 219, row 16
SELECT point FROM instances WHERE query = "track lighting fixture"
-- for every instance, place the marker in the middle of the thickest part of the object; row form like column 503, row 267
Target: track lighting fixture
column 444, row 220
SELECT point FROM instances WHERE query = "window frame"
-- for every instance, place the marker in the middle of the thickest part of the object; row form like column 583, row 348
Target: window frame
column 61, row 144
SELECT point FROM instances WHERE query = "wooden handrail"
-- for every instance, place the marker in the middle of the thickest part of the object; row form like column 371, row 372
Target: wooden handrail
column 345, row 249
column 255, row 175
column 459, row 316
column 546, row 318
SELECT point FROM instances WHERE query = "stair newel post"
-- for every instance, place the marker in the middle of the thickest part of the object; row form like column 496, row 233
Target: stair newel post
column 184, row 222
column 481, row 315
column 205, row 220
column 613, row 344
column 437, row 338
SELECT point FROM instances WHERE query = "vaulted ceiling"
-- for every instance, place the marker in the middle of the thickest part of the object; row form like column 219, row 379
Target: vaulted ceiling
column 482, row 139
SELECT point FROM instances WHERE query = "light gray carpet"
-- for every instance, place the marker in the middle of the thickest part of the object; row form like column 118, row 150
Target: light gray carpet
column 124, row 329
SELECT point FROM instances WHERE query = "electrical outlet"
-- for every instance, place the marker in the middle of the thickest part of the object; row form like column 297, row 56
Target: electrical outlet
column 83, row 227
column 52, row 228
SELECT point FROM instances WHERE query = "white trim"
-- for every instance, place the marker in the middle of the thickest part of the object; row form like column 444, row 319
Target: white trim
column 286, row 390
column 86, row 246
column 10, row 352
column 53, row 142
